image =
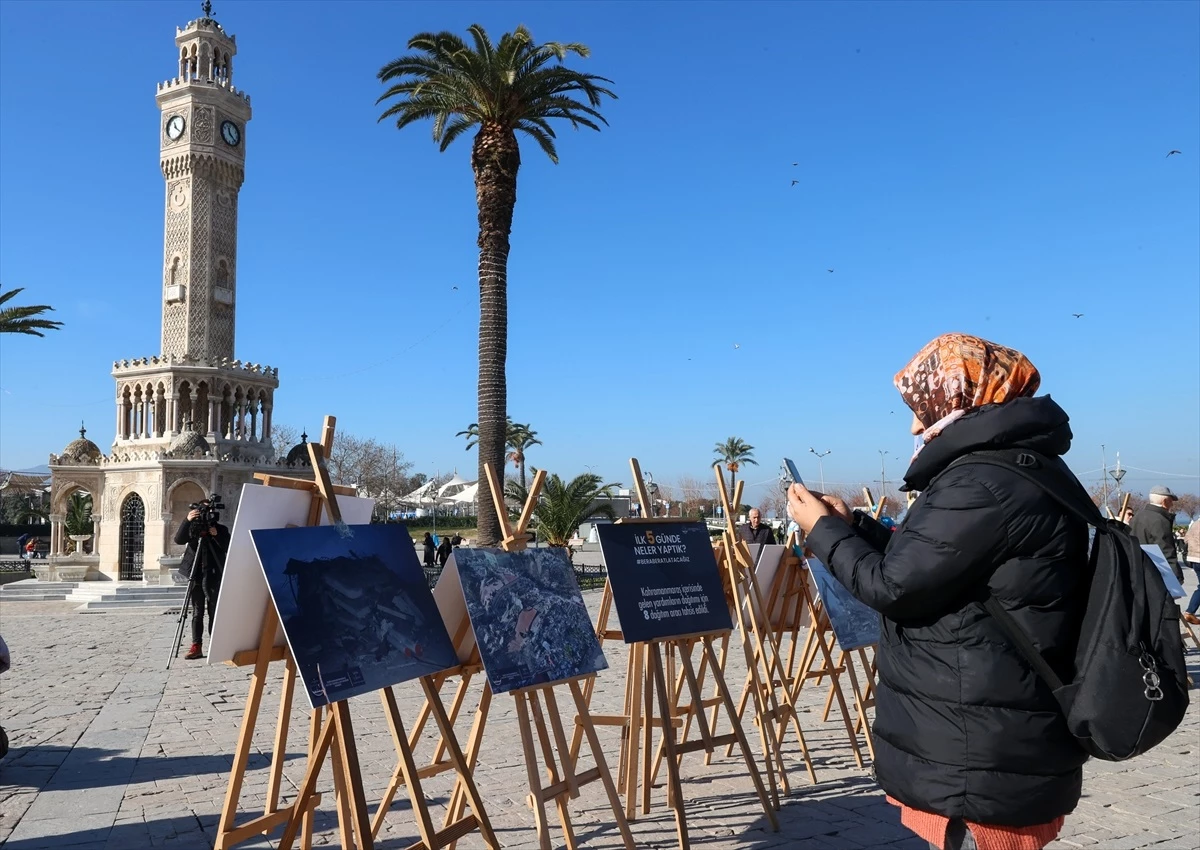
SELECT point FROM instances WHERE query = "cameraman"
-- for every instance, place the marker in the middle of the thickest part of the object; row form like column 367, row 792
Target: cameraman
column 207, row 543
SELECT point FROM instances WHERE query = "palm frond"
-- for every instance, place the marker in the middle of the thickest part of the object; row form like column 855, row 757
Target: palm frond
column 25, row 320
column 515, row 83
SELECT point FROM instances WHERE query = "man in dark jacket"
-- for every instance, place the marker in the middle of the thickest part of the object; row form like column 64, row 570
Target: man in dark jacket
column 1154, row 525
column 966, row 734
column 756, row 531
column 207, row 544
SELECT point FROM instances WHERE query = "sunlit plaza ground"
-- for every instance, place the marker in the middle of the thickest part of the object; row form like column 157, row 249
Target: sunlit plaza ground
column 112, row 752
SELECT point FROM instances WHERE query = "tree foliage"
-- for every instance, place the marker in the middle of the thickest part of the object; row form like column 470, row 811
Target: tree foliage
column 499, row 89
column 733, row 453
column 563, row 505
column 24, row 320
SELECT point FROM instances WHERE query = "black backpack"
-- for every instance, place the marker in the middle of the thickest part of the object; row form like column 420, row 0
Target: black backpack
column 1130, row 689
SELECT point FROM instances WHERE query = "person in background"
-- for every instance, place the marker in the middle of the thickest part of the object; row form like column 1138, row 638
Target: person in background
column 430, row 549
column 443, row 551
column 1126, row 517
column 969, row 742
column 1192, row 540
column 1154, row 525
column 756, row 531
column 207, row 543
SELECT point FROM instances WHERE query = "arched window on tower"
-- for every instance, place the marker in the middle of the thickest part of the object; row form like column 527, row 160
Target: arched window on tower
column 174, row 289
column 183, row 63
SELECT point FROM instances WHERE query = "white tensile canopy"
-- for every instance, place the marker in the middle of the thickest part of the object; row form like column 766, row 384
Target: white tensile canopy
column 423, row 495
column 454, row 484
column 468, row 494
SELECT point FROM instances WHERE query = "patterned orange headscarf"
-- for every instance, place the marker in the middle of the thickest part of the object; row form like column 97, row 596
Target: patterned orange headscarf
column 957, row 372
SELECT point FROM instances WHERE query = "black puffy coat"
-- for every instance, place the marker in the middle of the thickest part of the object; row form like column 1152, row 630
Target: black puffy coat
column 963, row 726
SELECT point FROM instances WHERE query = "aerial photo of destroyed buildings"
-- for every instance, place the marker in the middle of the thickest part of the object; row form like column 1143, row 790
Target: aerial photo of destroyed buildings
column 529, row 618
column 355, row 608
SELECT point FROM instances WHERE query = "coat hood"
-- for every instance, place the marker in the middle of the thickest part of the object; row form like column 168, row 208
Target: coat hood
column 1038, row 423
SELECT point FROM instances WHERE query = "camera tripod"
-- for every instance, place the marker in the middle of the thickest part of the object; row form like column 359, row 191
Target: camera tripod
column 204, row 547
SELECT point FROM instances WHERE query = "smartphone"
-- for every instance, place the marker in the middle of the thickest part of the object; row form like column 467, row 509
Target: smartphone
column 792, row 471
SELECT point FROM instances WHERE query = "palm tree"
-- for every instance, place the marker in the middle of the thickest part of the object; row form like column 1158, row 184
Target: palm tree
column 563, row 505
column 520, row 438
column 23, row 320
column 734, row 452
column 79, row 514
column 499, row 88
column 517, row 438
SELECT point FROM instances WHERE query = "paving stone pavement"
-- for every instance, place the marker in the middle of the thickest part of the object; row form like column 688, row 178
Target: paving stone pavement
column 112, row 752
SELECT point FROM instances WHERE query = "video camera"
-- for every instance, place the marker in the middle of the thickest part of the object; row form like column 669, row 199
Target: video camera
column 209, row 511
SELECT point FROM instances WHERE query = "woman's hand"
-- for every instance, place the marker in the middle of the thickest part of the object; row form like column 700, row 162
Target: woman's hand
column 806, row 507
column 837, row 506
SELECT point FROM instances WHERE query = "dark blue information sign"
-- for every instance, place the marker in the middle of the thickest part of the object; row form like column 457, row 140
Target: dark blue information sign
column 665, row 580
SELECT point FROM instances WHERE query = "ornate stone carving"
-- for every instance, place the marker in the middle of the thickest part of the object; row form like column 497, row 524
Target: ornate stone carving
column 202, row 127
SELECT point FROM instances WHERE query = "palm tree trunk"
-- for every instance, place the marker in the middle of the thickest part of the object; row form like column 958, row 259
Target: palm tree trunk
column 523, row 474
column 495, row 159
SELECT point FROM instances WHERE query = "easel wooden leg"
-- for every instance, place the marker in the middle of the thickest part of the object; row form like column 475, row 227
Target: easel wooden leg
column 741, row 736
column 658, row 684
column 632, row 733
column 241, row 752
column 531, row 771
column 279, row 752
column 358, row 799
column 341, row 798
column 610, row 787
column 458, row 798
column 314, row 737
column 466, row 781
column 308, row 786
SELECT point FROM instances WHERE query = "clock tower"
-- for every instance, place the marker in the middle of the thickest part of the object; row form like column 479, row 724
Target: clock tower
column 192, row 420
column 203, row 154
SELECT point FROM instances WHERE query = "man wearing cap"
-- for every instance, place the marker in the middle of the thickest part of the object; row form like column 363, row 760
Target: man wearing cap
column 1154, row 524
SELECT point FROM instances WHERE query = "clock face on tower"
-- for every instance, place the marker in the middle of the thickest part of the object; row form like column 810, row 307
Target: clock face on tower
column 175, row 126
column 230, row 133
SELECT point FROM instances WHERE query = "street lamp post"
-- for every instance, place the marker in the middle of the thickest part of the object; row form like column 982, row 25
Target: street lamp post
column 882, row 477
column 1117, row 475
column 651, row 489
column 821, row 464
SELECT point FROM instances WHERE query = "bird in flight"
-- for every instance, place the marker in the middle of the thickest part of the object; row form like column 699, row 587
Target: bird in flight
column 1077, row 315
column 829, row 270
column 794, row 182
column 795, row 163
column 1172, row 153
column 737, row 345
column 455, row 288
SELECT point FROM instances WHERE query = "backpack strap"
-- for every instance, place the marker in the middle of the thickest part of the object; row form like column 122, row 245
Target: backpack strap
column 1070, row 494
column 1023, row 463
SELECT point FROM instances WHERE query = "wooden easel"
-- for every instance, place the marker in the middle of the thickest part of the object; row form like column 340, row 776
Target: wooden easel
column 790, row 601
column 766, row 680
column 819, row 644
column 537, row 712
column 650, row 665
column 331, row 730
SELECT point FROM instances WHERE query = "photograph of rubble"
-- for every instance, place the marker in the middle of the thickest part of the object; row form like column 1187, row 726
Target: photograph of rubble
column 528, row 615
column 355, row 608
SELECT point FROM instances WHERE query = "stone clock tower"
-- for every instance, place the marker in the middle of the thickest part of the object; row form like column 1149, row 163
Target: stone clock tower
column 192, row 420
column 203, row 155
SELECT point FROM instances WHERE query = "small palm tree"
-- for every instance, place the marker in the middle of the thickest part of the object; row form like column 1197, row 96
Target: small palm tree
column 516, row 85
column 79, row 514
column 563, row 505
column 24, row 320
column 520, row 438
column 733, row 453
column 517, row 438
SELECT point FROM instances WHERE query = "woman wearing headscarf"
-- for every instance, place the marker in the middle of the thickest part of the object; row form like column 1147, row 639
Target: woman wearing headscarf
column 969, row 741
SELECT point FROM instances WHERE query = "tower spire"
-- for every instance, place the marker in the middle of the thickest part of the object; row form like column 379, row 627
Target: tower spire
column 206, row 8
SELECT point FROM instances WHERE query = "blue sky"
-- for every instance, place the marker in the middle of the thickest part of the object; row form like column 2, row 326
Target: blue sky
column 984, row 167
